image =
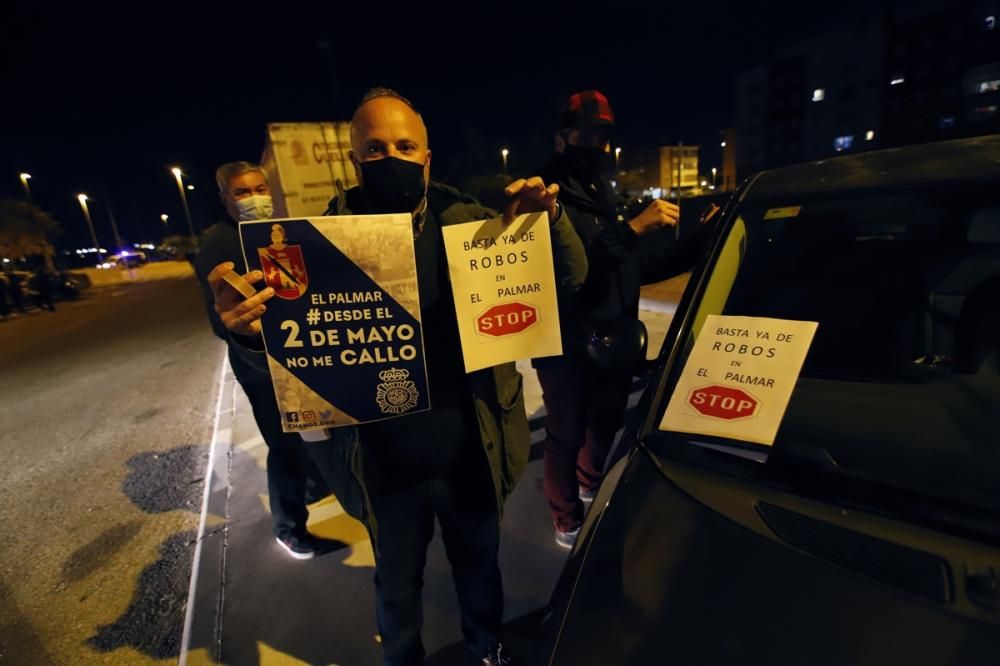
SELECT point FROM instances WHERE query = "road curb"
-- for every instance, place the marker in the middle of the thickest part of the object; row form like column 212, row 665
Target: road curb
column 202, row 619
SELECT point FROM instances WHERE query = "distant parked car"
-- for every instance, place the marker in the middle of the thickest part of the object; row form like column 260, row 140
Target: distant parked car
column 65, row 286
column 869, row 532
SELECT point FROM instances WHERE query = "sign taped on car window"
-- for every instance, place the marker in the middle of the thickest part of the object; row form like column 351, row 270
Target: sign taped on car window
column 782, row 213
column 739, row 378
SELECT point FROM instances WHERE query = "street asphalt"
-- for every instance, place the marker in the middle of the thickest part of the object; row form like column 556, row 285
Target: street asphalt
column 117, row 407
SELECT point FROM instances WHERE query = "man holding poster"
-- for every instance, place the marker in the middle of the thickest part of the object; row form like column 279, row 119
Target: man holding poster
column 459, row 460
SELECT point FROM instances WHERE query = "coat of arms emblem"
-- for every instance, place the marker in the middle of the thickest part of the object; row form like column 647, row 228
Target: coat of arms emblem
column 284, row 266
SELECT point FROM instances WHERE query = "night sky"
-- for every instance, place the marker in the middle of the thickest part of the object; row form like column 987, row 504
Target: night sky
column 100, row 95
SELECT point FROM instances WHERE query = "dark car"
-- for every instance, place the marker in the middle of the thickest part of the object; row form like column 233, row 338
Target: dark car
column 64, row 286
column 869, row 532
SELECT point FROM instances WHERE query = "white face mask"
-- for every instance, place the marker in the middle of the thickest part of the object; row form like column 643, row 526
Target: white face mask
column 255, row 207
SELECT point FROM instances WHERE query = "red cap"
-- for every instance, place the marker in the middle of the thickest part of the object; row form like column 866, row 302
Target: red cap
column 586, row 110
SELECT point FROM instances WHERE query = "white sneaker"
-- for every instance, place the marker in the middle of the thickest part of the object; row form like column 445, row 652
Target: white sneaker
column 567, row 539
column 298, row 548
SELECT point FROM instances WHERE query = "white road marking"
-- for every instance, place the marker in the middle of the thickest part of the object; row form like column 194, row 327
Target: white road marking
column 209, row 471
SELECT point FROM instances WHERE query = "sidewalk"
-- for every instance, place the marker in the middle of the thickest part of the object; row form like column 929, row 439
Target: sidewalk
column 252, row 604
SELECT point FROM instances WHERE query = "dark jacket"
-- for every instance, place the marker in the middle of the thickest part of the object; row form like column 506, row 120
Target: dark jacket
column 619, row 261
column 497, row 392
column 219, row 244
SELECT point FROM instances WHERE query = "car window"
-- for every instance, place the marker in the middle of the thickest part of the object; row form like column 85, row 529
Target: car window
column 901, row 381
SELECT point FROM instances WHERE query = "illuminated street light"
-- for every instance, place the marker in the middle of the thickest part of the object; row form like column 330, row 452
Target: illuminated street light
column 190, row 187
column 164, row 217
column 25, row 177
column 503, row 154
column 723, row 144
column 714, row 171
column 618, row 157
column 82, row 198
column 180, row 188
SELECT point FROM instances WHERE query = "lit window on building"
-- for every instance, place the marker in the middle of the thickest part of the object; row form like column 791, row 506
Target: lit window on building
column 843, row 142
column 989, row 86
column 870, row 135
column 947, row 122
column 819, row 94
column 986, row 110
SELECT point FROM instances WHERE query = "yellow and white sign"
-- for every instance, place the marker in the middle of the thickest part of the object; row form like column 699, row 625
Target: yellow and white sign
column 503, row 281
column 739, row 377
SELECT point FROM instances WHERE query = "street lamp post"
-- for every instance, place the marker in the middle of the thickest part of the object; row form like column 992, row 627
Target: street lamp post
column 180, row 188
column 503, row 155
column 111, row 216
column 618, row 158
column 25, row 177
column 714, row 170
column 82, row 198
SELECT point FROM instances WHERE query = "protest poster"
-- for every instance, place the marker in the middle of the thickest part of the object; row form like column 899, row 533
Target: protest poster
column 503, row 282
column 342, row 334
column 739, row 377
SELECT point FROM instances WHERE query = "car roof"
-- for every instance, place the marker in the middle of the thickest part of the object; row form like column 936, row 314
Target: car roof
column 942, row 162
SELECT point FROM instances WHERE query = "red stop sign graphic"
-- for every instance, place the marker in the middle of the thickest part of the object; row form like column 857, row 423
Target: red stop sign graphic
column 723, row 402
column 507, row 319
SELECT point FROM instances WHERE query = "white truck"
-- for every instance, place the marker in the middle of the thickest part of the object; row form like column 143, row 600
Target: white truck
column 307, row 165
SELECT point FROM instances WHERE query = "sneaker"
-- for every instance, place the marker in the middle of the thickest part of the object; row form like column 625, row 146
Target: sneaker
column 587, row 496
column 567, row 539
column 297, row 547
column 496, row 657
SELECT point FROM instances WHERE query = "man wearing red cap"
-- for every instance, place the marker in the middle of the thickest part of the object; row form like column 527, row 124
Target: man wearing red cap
column 585, row 394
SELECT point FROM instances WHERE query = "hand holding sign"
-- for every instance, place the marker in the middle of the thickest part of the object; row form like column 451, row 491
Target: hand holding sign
column 238, row 314
column 530, row 196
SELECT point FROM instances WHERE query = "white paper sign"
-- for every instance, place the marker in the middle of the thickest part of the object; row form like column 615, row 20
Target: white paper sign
column 504, row 284
column 739, row 377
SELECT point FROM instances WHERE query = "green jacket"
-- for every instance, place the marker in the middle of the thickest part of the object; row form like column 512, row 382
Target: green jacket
column 497, row 392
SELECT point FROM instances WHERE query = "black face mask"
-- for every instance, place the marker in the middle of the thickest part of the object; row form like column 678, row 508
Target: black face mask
column 588, row 163
column 392, row 185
